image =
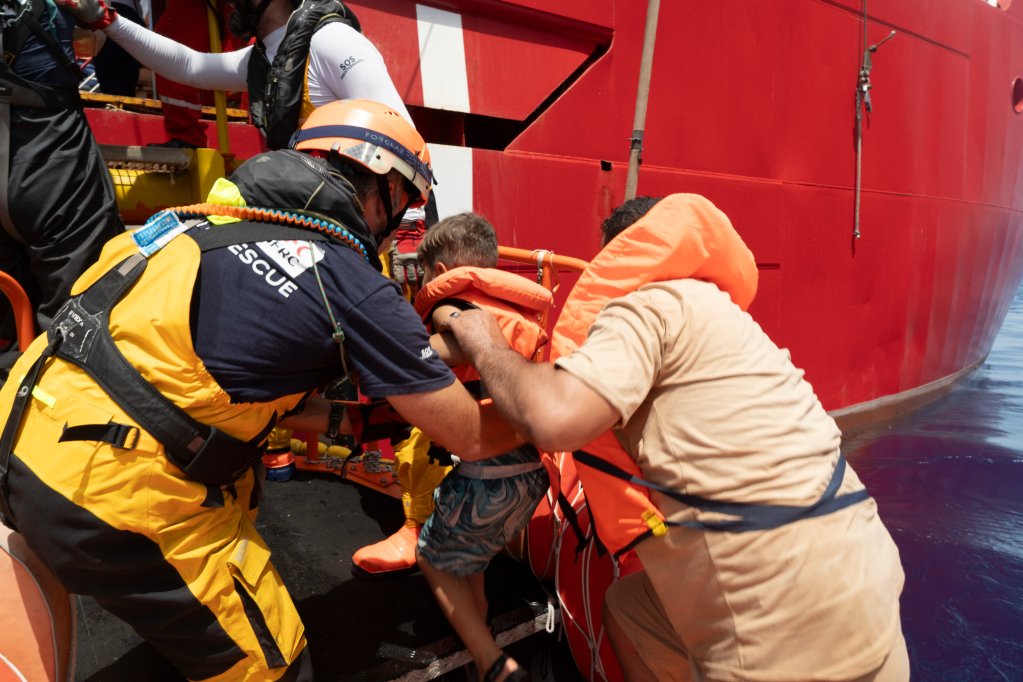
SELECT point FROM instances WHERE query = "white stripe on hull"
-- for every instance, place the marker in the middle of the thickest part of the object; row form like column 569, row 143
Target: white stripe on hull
column 442, row 59
column 454, row 173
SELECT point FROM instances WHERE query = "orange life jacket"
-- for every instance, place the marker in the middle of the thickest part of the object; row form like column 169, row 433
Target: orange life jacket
column 682, row 236
column 517, row 304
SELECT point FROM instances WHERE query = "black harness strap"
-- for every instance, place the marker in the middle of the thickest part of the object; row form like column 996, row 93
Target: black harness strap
column 80, row 335
column 749, row 517
column 18, row 407
column 121, row 436
column 81, row 330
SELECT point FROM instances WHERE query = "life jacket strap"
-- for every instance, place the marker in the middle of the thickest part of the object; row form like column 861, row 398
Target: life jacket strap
column 276, row 90
column 748, row 517
column 459, row 303
column 582, row 538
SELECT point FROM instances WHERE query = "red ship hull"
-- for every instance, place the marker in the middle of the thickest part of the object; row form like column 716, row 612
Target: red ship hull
column 529, row 108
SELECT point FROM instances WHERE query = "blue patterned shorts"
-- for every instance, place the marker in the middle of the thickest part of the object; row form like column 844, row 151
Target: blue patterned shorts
column 475, row 518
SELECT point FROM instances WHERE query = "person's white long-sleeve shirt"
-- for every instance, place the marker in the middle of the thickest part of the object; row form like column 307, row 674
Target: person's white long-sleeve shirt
column 343, row 63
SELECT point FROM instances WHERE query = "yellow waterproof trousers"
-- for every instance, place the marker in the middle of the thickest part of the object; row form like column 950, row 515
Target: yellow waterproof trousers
column 417, row 476
column 178, row 560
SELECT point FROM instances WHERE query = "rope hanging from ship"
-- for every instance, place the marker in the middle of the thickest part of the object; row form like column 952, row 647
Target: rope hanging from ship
column 863, row 86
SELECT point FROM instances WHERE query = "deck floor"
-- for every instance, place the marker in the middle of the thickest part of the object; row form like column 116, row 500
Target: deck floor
column 358, row 629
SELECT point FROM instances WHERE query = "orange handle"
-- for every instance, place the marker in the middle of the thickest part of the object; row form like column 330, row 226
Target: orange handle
column 23, row 318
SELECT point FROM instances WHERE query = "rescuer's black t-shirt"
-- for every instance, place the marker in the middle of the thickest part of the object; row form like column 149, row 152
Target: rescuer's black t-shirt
column 261, row 328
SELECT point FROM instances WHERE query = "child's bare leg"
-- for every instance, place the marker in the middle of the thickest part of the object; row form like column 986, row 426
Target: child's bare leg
column 479, row 595
column 458, row 601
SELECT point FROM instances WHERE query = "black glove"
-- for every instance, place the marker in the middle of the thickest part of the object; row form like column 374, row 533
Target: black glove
column 377, row 421
column 92, row 14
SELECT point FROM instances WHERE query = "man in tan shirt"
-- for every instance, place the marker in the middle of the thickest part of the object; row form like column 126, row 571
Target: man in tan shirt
column 708, row 406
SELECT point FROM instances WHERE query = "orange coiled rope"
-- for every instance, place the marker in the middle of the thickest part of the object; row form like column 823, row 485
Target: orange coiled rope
column 273, row 215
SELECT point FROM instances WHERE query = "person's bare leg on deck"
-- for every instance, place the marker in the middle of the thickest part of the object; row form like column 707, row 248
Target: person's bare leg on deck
column 464, row 605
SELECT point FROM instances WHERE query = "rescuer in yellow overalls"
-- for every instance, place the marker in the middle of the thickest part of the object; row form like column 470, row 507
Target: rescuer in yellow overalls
column 131, row 427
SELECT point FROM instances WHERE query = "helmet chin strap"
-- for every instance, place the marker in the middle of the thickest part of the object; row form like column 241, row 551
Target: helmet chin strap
column 393, row 219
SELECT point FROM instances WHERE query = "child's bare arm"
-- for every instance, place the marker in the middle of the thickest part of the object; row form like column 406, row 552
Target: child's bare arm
column 444, row 343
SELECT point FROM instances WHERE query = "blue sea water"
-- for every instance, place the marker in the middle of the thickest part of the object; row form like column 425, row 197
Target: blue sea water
column 949, row 484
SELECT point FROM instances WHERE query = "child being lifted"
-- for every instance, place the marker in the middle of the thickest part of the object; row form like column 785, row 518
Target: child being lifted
column 480, row 506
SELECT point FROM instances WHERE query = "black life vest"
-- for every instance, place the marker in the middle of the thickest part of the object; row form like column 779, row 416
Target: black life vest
column 275, row 90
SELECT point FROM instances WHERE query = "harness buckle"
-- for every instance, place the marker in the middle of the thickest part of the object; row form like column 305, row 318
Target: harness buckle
column 124, row 432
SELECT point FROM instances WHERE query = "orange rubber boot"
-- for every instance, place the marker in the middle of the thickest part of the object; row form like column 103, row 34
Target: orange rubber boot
column 394, row 553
